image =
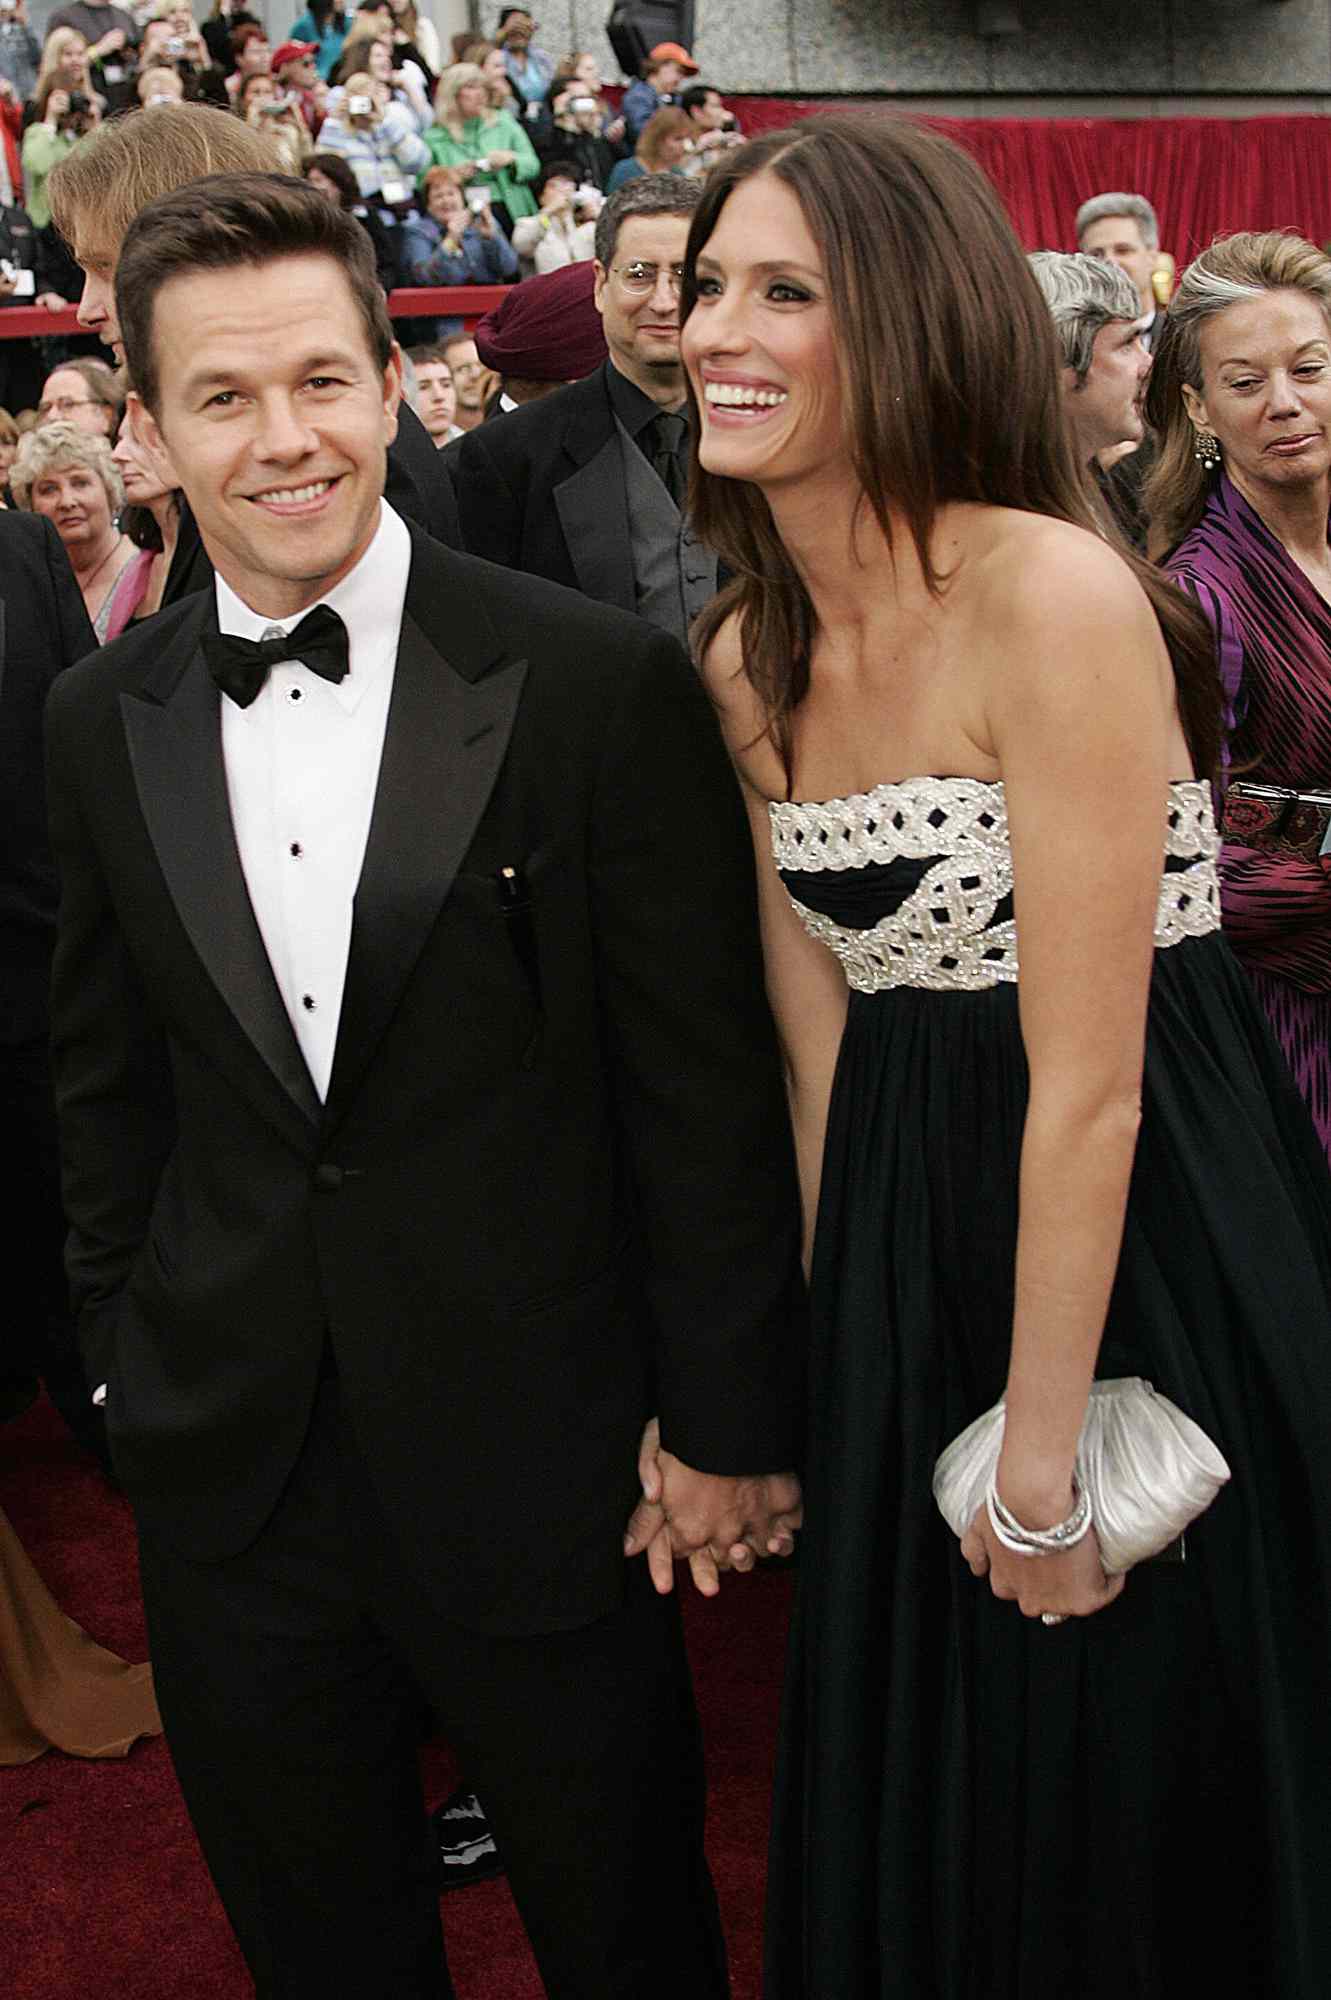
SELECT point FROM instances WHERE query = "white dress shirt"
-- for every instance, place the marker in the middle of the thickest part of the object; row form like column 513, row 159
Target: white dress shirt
column 302, row 766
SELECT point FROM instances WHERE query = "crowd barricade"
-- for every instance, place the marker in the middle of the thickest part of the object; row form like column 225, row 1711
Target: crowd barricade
column 469, row 303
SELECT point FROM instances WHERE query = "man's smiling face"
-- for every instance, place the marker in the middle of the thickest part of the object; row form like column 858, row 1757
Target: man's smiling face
column 278, row 419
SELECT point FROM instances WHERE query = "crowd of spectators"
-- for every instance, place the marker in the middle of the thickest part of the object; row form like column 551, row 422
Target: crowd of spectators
column 475, row 163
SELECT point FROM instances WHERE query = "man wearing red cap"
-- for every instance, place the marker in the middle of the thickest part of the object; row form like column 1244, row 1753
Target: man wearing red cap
column 662, row 74
column 297, row 74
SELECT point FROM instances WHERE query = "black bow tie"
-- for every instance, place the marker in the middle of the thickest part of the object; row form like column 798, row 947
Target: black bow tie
column 241, row 666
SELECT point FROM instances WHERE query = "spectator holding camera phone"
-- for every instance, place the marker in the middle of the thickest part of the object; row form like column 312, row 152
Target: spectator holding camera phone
column 456, row 241
column 488, row 147
column 20, row 51
column 377, row 139
column 265, row 106
column 295, row 67
column 564, row 232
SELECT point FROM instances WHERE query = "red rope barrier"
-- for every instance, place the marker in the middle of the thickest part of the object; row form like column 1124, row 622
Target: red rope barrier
column 469, row 303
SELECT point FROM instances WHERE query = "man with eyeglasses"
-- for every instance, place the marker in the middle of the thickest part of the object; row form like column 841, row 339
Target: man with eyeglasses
column 587, row 487
column 82, row 392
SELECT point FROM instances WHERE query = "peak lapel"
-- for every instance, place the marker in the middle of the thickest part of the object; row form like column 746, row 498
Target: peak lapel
column 175, row 750
column 444, row 745
column 592, row 502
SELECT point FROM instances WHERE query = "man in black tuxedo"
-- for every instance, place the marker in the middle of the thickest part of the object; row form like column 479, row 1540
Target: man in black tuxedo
column 423, row 1137
column 94, row 193
column 588, row 485
column 43, row 629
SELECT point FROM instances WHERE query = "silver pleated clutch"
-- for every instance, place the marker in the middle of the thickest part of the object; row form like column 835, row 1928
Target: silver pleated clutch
column 1149, row 1470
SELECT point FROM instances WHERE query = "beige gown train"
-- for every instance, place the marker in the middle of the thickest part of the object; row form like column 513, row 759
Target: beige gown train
column 59, row 1689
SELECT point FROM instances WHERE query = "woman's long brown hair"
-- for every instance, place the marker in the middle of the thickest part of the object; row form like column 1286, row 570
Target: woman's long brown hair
column 950, row 378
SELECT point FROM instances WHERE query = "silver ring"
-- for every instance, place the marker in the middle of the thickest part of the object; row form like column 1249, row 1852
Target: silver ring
column 1053, row 1617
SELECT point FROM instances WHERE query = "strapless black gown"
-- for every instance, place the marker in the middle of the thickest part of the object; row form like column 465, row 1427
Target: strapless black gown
column 970, row 1805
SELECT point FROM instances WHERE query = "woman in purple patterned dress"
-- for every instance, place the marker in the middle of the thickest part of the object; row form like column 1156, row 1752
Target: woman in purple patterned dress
column 1241, row 399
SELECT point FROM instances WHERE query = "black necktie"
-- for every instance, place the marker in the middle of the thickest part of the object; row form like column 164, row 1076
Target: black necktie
column 241, row 666
column 670, row 445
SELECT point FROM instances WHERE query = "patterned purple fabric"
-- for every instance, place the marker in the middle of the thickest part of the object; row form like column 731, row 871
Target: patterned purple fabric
column 1273, row 634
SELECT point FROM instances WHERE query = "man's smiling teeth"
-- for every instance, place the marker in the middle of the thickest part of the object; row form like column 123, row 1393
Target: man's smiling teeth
column 735, row 396
column 294, row 496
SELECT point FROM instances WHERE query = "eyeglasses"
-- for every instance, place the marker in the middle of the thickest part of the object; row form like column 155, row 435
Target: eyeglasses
column 60, row 406
column 642, row 277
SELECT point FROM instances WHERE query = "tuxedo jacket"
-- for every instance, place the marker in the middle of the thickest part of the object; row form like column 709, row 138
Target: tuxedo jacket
column 544, row 491
column 43, row 629
column 415, row 486
column 551, row 1188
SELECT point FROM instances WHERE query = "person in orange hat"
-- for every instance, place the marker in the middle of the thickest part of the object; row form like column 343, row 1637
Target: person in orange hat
column 662, row 74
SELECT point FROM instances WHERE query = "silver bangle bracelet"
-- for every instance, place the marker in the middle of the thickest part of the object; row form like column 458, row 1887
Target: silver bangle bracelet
column 1023, row 1541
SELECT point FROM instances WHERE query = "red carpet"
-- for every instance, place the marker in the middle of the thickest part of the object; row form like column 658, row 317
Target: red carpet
column 102, row 1890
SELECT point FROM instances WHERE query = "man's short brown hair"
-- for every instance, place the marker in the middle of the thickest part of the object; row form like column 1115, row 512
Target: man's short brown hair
column 96, row 191
column 227, row 222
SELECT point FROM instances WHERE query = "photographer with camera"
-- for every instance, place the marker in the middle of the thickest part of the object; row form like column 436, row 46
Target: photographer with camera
column 20, row 51
column 111, row 38
column 377, row 139
column 269, row 109
column 576, row 130
column 564, row 232
column 62, row 118
column 714, row 128
column 456, row 241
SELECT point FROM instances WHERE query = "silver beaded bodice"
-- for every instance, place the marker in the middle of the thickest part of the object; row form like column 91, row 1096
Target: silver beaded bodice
column 944, row 934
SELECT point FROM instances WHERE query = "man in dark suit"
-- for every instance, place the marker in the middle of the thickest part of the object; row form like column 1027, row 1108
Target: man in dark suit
column 43, row 629
column 423, row 1137
column 94, row 192
column 587, row 486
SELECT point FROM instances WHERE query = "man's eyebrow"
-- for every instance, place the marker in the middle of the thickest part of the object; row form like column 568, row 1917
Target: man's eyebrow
column 224, row 373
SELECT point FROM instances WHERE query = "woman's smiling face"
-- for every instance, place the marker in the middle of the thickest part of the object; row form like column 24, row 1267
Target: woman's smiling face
column 759, row 345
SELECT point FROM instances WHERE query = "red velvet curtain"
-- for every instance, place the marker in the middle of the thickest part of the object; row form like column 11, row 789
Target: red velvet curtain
column 1205, row 176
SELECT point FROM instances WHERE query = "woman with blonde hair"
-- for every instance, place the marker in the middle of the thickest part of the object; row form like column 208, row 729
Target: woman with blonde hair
column 70, row 476
column 1046, row 1143
column 1240, row 398
column 489, row 60
column 488, row 147
column 64, row 64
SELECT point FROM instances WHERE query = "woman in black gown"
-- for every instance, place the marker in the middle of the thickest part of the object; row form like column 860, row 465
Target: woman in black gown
column 969, row 730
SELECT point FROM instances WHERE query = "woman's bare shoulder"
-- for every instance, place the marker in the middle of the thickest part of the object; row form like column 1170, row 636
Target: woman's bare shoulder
column 740, row 710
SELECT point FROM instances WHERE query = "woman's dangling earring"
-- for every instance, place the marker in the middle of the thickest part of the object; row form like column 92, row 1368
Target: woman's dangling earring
column 1206, row 450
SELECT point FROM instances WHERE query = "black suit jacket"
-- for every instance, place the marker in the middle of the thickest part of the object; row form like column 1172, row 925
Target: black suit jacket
column 544, row 492
column 415, row 485
column 551, row 1189
column 43, row 628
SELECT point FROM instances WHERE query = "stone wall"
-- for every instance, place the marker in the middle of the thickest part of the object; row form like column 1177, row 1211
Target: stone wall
column 1145, row 48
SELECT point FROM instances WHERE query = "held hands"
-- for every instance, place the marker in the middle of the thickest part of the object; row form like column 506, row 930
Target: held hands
column 716, row 1522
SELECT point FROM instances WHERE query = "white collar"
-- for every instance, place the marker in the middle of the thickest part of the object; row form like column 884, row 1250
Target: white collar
column 369, row 600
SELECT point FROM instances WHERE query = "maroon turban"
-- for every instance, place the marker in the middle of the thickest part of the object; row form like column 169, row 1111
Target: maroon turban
column 546, row 329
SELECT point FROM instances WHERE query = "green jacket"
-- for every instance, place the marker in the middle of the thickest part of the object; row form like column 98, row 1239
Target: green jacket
column 42, row 150
column 497, row 131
